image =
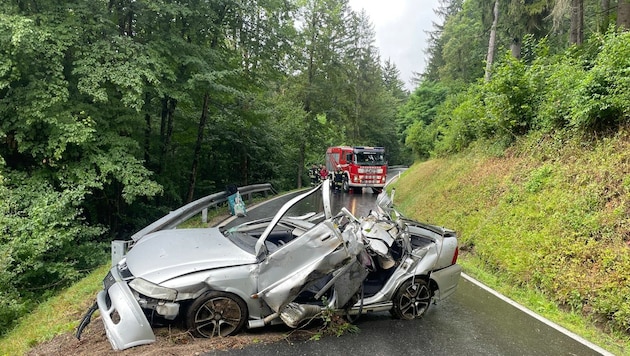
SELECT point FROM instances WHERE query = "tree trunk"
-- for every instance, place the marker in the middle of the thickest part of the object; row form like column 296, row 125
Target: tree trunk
column 623, row 14
column 577, row 22
column 515, row 48
column 605, row 16
column 244, row 171
column 166, row 129
column 492, row 43
column 307, row 103
column 147, row 139
column 301, row 163
column 147, row 131
column 197, row 152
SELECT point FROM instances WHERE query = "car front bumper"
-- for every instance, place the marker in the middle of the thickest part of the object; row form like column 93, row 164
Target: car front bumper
column 125, row 323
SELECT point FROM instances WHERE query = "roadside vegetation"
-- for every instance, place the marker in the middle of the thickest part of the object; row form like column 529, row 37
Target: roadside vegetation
column 114, row 113
column 58, row 315
column 545, row 223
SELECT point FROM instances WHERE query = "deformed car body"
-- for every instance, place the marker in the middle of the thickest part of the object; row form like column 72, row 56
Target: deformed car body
column 283, row 269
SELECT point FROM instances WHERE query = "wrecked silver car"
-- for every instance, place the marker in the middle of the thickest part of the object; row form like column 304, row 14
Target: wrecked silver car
column 286, row 269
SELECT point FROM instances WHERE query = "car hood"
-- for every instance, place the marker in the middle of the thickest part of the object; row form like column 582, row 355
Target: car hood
column 167, row 254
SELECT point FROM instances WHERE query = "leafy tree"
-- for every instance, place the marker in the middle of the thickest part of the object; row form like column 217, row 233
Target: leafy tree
column 464, row 47
column 114, row 113
column 417, row 114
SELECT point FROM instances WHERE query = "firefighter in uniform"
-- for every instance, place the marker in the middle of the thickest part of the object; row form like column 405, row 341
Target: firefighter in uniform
column 338, row 178
column 313, row 173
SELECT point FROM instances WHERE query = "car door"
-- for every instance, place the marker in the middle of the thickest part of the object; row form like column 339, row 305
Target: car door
column 286, row 271
column 283, row 272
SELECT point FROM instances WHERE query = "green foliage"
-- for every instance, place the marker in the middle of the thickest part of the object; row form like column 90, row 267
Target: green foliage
column 582, row 90
column 550, row 215
column 117, row 63
column 458, row 123
column 415, row 117
column 55, row 316
column 509, row 100
column 333, row 324
column 603, row 96
column 463, row 46
column 45, row 242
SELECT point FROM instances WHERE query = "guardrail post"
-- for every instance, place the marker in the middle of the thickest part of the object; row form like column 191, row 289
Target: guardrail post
column 119, row 250
column 204, row 216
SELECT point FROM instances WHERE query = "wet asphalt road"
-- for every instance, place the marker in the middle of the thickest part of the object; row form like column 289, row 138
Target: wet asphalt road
column 471, row 322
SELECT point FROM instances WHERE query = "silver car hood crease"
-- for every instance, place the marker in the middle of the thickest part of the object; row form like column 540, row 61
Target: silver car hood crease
column 168, row 254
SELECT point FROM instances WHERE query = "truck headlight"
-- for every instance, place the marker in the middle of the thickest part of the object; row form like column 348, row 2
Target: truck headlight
column 152, row 290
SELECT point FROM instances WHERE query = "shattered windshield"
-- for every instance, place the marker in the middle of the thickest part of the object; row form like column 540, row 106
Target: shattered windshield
column 295, row 217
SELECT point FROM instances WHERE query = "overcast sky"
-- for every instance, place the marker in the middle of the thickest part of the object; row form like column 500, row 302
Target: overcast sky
column 400, row 27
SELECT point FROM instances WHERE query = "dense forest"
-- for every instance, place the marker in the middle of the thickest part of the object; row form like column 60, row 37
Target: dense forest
column 114, row 112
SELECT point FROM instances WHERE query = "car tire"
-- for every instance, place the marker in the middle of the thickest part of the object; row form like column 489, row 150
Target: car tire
column 216, row 314
column 412, row 299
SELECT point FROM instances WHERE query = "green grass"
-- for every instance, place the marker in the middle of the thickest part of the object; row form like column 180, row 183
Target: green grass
column 545, row 224
column 58, row 315
column 615, row 342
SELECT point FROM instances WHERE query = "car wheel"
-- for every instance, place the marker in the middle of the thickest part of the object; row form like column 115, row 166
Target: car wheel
column 412, row 299
column 346, row 185
column 216, row 314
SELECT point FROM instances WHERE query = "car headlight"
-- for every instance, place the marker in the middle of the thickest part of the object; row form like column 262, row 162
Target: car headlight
column 152, row 290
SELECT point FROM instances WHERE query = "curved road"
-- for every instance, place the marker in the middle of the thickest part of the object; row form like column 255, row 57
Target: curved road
column 474, row 321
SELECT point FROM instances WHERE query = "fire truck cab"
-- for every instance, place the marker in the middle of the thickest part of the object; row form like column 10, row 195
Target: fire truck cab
column 362, row 166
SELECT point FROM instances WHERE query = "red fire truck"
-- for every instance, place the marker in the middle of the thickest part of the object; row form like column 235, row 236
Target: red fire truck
column 362, row 166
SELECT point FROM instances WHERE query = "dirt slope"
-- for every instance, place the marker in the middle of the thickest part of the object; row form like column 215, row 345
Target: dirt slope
column 170, row 341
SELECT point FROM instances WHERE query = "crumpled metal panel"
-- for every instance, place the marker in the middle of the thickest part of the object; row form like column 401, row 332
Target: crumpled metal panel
column 285, row 273
column 349, row 282
column 294, row 314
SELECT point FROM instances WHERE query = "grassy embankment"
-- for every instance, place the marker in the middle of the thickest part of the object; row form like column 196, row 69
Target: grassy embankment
column 58, row 315
column 545, row 223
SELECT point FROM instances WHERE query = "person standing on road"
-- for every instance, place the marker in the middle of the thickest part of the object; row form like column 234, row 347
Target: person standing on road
column 313, row 174
column 338, row 178
column 323, row 172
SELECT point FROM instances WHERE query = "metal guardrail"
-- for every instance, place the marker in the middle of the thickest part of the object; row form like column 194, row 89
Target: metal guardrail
column 176, row 217
column 119, row 248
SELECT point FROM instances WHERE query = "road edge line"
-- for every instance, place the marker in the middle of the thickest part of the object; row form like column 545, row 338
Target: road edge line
column 538, row 317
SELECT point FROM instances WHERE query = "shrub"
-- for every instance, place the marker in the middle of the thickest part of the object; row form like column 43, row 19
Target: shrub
column 45, row 244
column 603, row 96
